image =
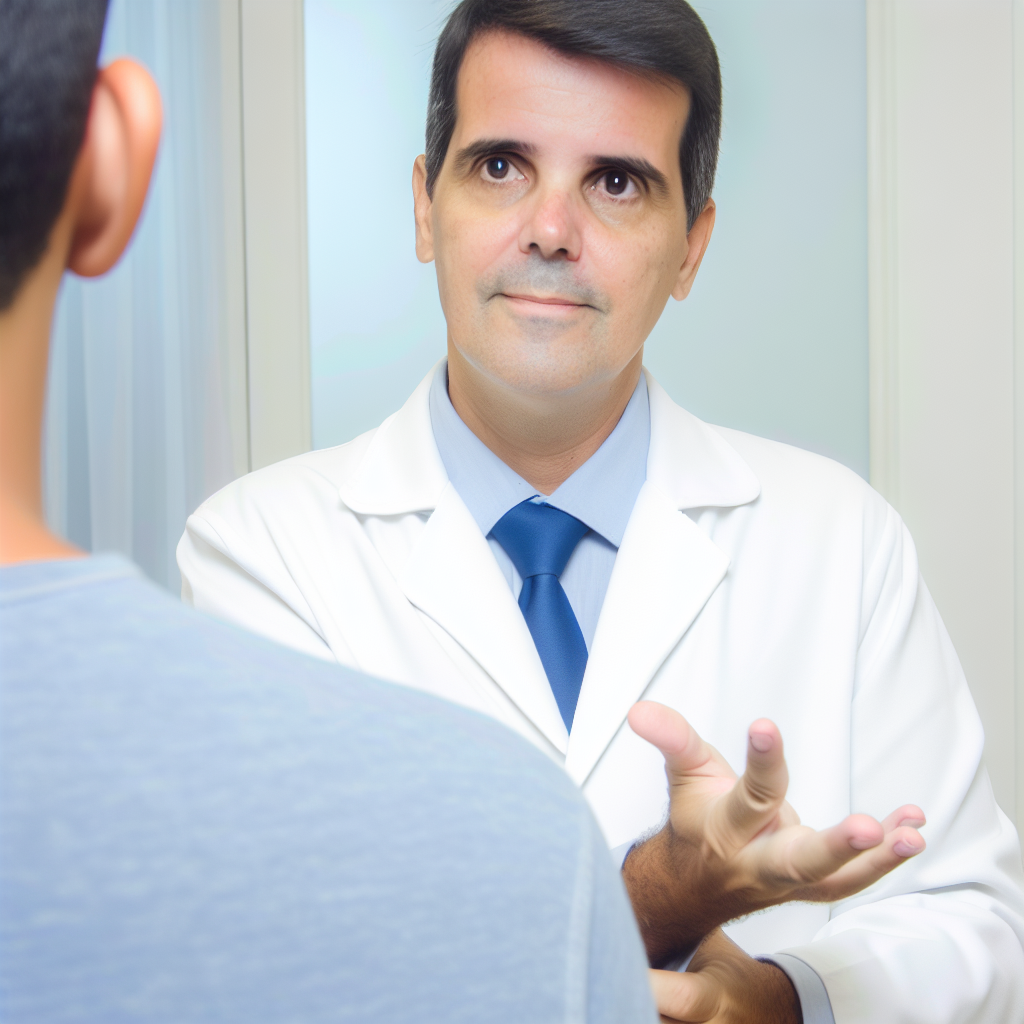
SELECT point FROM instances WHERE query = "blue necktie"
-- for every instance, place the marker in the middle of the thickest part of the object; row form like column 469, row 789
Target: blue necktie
column 539, row 539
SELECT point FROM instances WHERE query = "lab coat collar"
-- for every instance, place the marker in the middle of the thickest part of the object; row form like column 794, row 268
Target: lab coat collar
column 691, row 462
column 401, row 469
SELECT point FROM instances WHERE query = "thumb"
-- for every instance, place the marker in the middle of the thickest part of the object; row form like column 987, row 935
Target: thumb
column 686, row 997
column 684, row 751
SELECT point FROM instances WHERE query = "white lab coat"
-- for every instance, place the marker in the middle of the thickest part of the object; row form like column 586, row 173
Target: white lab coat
column 754, row 579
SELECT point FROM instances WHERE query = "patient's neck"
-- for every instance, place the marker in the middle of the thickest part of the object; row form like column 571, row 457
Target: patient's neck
column 24, row 347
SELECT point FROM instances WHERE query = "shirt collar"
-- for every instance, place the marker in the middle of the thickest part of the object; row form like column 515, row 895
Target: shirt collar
column 601, row 493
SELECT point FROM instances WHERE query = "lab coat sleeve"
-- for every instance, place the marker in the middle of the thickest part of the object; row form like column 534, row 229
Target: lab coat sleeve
column 814, row 1005
column 939, row 940
column 214, row 579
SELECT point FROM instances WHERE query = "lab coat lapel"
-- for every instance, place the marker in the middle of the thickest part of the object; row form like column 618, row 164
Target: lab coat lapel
column 665, row 571
column 396, row 468
column 451, row 574
column 453, row 577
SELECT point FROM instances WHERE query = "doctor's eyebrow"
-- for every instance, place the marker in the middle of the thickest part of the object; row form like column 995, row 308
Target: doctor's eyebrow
column 468, row 155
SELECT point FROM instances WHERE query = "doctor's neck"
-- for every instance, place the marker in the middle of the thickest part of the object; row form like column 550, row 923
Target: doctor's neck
column 544, row 436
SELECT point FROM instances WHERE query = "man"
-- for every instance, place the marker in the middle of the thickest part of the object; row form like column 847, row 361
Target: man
column 540, row 533
column 197, row 825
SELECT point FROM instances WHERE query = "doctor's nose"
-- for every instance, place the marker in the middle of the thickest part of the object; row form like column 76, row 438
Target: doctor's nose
column 552, row 229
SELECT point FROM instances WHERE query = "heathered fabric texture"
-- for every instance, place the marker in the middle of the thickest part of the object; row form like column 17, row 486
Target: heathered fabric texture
column 199, row 826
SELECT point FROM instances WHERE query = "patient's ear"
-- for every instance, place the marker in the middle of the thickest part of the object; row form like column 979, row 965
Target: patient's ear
column 111, row 176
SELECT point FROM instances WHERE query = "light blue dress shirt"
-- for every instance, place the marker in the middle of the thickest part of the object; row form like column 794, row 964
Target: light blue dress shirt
column 601, row 493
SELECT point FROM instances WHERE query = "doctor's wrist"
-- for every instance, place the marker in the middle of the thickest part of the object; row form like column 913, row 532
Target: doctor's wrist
column 673, row 921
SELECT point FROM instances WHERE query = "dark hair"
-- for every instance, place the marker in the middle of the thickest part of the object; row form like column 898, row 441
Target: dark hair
column 657, row 38
column 48, row 54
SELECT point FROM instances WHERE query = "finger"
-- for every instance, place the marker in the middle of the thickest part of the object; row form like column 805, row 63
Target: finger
column 806, row 856
column 684, row 997
column 898, row 846
column 684, row 751
column 756, row 799
column 908, row 814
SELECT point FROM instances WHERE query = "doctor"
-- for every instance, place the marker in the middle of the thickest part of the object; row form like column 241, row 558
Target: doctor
column 542, row 534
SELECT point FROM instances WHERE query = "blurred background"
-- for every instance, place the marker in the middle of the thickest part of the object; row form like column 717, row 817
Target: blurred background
column 863, row 294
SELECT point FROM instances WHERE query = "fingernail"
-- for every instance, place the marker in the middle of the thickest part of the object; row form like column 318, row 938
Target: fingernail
column 904, row 849
column 761, row 742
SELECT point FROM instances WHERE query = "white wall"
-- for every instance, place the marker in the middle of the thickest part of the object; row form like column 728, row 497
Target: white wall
column 946, row 401
column 273, row 109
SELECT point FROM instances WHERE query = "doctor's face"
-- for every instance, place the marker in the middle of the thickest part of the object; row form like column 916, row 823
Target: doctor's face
column 558, row 222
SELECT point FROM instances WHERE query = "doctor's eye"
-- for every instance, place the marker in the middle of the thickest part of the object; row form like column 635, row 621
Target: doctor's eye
column 616, row 184
column 500, row 168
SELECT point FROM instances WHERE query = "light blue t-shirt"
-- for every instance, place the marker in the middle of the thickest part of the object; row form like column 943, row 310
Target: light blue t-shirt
column 197, row 825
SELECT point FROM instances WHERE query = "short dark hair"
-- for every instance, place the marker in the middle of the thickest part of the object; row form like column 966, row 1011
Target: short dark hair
column 48, row 55
column 656, row 38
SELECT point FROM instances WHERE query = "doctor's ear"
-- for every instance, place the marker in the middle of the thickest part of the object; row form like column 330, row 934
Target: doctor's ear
column 697, row 239
column 423, row 207
column 111, row 177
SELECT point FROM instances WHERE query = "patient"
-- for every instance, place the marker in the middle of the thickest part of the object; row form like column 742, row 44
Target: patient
column 196, row 824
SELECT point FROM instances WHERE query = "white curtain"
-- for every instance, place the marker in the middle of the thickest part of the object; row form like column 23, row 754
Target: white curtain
column 140, row 426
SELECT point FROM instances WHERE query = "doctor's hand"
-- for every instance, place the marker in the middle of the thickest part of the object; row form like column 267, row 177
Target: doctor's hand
column 733, row 846
column 723, row 985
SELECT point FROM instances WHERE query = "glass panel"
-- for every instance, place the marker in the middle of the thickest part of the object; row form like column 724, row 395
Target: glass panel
column 774, row 337
column 375, row 322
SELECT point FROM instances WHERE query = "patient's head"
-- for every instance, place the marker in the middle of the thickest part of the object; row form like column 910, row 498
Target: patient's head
column 75, row 143
column 48, row 51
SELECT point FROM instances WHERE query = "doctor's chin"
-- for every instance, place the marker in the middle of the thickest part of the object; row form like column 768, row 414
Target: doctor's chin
column 511, row 510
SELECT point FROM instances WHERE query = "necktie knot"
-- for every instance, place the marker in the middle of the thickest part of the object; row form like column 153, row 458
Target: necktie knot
column 538, row 538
